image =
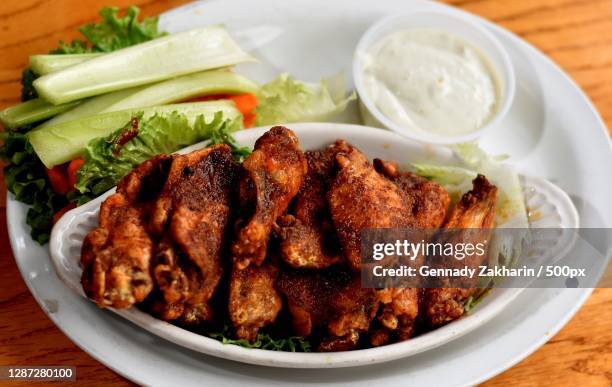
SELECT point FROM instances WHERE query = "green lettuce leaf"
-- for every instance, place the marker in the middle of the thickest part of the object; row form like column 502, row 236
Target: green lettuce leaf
column 28, row 91
column 264, row 341
column 25, row 178
column 456, row 180
column 113, row 32
column 75, row 47
column 110, row 158
column 285, row 100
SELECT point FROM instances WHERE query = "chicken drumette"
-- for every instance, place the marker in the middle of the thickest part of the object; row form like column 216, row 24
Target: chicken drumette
column 190, row 218
column 429, row 200
column 360, row 198
column 254, row 301
column 400, row 307
column 116, row 255
column 470, row 221
column 333, row 299
column 272, row 176
column 307, row 236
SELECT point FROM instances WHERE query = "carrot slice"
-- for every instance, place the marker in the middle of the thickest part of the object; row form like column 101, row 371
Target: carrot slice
column 245, row 103
column 58, row 178
column 73, row 168
column 248, row 120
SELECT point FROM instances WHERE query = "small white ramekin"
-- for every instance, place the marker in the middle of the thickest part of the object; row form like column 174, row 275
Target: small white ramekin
column 452, row 22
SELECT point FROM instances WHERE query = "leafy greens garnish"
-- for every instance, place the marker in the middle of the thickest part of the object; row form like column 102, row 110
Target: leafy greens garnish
column 112, row 33
column 25, row 177
column 286, row 100
column 28, row 91
column 24, row 173
column 264, row 341
column 108, row 159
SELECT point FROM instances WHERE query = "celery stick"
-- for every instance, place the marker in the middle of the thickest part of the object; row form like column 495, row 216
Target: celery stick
column 60, row 143
column 95, row 105
column 165, row 92
column 32, row 111
column 156, row 60
column 45, row 64
column 188, row 86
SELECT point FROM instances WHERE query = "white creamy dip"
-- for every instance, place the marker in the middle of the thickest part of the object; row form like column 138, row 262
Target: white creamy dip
column 431, row 81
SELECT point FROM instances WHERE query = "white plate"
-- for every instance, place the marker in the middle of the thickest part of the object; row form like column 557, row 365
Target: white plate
column 555, row 207
column 552, row 131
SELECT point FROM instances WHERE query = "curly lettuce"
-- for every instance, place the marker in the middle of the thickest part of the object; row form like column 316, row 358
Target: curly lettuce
column 112, row 33
column 285, row 100
column 25, row 178
column 108, row 159
column 264, row 341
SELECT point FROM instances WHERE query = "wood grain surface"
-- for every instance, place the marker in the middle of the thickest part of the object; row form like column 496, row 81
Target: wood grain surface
column 574, row 33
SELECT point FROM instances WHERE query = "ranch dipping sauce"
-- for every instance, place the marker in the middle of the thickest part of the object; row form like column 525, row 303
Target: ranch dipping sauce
column 428, row 80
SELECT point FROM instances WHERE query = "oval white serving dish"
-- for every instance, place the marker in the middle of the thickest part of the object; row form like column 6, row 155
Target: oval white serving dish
column 68, row 234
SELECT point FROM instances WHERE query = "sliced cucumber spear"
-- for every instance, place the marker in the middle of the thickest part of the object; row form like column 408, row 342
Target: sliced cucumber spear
column 60, row 143
column 159, row 59
column 32, row 111
column 170, row 91
column 45, row 64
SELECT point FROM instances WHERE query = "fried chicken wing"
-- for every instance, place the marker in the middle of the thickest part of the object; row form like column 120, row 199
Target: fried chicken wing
column 308, row 295
column 475, row 210
column 116, row 255
column 254, row 301
column 397, row 316
column 361, row 198
column 354, row 309
column 307, row 237
column 429, row 200
column 331, row 298
column 192, row 215
column 272, row 176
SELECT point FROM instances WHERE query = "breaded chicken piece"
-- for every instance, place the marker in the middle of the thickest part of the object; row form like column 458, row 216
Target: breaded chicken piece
column 354, row 309
column 361, row 198
column 308, row 296
column 116, row 255
column 475, row 210
column 330, row 298
column 429, row 200
column 400, row 307
column 397, row 316
column 254, row 301
column 191, row 217
column 307, row 236
column 272, row 176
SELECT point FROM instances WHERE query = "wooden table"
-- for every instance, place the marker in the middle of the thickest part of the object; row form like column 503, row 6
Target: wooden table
column 576, row 34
